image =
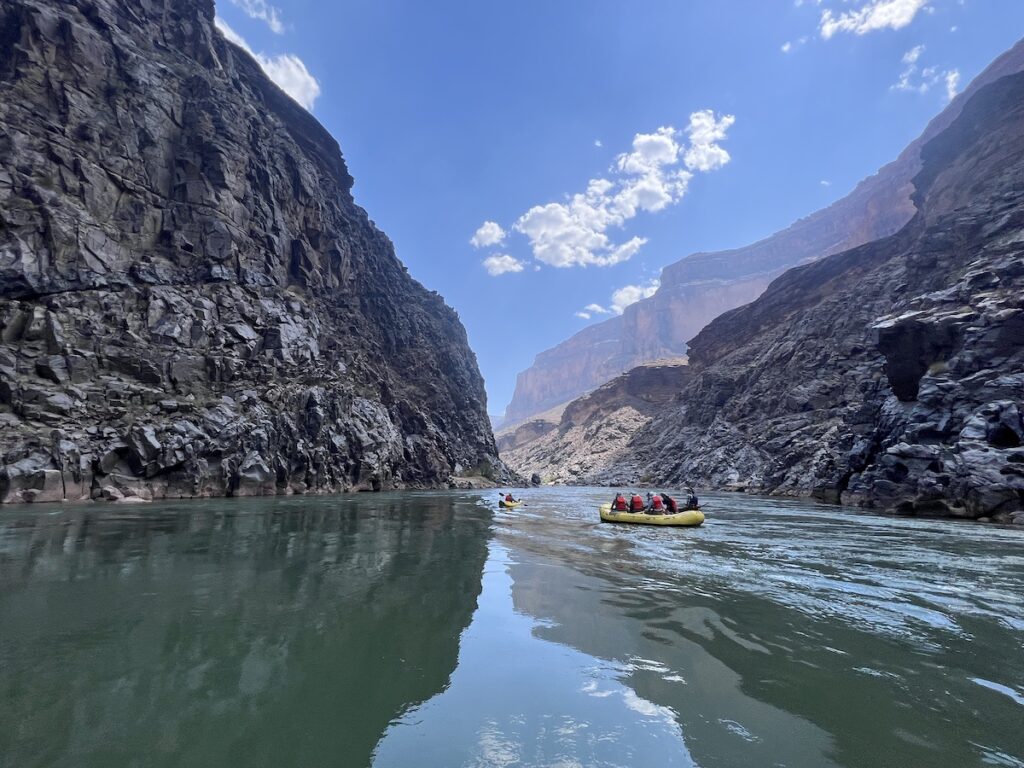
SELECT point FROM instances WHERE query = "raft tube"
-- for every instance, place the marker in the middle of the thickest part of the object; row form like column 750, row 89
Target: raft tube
column 690, row 517
column 510, row 504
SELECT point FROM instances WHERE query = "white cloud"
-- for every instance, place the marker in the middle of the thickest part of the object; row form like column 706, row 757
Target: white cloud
column 631, row 294
column 952, row 83
column 922, row 79
column 870, row 17
column 705, row 154
column 598, row 143
column 787, row 47
column 825, row 183
column 262, row 11
column 652, row 176
column 911, row 56
column 488, row 234
column 620, row 299
column 231, row 36
column 287, row 70
column 292, row 77
column 500, row 264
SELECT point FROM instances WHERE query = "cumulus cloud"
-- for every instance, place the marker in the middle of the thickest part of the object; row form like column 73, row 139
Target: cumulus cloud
column 919, row 79
column 911, row 56
column 287, row 70
column 488, row 234
column 870, row 17
column 652, row 176
column 705, row 131
column 501, row 263
column 262, row 11
column 631, row 294
column 291, row 75
column 787, row 47
column 952, row 83
column 231, row 36
column 620, row 299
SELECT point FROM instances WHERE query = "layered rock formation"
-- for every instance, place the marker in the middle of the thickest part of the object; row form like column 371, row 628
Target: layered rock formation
column 888, row 376
column 191, row 303
column 702, row 286
column 594, row 431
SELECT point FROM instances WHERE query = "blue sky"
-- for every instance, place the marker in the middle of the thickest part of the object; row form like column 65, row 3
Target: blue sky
column 706, row 124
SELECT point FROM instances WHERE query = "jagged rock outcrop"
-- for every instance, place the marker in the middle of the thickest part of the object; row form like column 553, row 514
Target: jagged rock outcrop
column 594, row 431
column 191, row 303
column 889, row 376
column 702, row 286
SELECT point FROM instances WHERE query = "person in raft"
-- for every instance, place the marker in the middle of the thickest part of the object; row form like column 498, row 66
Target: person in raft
column 671, row 506
column 509, row 499
column 655, row 504
column 619, row 503
column 692, row 502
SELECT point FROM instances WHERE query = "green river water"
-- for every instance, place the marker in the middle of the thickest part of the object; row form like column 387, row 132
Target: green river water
column 431, row 629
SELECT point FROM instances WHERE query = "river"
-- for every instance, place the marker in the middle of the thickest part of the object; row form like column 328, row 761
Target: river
column 432, row 629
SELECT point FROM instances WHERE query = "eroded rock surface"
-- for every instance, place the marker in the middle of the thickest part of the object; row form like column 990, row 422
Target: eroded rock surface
column 889, row 376
column 594, row 432
column 191, row 303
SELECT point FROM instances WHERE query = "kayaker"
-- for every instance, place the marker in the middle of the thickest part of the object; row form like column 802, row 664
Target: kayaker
column 670, row 503
column 655, row 504
column 636, row 504
column 509, row 499
column 692, row 502
column 619, row 503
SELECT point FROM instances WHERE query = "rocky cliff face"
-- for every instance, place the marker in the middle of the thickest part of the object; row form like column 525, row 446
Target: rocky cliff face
column 190, row 301
column 702, row 286
column 889, row 376
column 594, row 432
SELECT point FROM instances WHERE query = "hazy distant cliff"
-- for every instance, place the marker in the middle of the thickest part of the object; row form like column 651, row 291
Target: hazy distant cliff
column 702, row 286
column 190, row 301
column 593, row 433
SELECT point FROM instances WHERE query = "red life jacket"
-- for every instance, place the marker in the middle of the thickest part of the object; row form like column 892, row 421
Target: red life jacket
column 672, row 506
column 620, row 503
column 637, row 504
column 657, row 504
column 509, row 498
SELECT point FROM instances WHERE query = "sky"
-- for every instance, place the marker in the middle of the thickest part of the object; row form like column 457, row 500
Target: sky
column 538, row 162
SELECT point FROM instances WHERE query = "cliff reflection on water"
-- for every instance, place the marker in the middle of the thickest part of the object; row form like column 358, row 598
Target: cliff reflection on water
column 430, row 629
column 276, row 632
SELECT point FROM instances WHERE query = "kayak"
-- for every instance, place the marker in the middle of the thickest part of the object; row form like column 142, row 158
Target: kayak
column 510, row 504
column 691, row 517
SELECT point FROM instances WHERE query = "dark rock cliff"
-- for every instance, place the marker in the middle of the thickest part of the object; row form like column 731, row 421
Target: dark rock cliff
column 191, row 303
column 702, row 286
column 889, row 376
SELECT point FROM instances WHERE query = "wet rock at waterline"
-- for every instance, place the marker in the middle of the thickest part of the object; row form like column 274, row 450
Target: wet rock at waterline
column 191, row 303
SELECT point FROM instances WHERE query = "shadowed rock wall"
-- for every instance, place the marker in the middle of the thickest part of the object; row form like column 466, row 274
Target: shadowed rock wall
column 191, row 303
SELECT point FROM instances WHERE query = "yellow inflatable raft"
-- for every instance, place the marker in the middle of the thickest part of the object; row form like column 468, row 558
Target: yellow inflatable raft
column 690, row 517
column 510, row 504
